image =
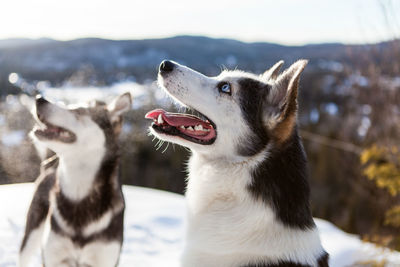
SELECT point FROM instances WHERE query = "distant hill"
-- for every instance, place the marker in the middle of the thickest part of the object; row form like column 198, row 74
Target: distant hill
column 109, row 60
column 20, row 42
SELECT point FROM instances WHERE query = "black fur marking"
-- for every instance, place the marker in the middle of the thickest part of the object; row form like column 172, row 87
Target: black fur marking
column 252, row 97
column 281, row 179
column 93, row 206
column 114, row 231
column 40, row 204
column 322, row 262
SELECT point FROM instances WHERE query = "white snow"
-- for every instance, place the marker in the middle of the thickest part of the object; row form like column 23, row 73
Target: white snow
column 86, row 94
column 154, row 227
column 2, row 120
column 13, row 138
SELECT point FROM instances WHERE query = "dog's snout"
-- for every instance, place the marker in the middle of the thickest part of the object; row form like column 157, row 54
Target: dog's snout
column 166, row 66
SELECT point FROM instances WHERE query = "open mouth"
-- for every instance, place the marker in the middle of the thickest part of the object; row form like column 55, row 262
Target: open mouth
column 189, row 127
column 48, row 131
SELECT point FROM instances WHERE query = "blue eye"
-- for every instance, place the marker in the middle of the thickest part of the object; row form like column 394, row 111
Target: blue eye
column 225, row 88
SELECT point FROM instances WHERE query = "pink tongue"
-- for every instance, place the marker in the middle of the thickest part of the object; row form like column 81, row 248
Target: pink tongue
column 177, row 120
column 153, row 115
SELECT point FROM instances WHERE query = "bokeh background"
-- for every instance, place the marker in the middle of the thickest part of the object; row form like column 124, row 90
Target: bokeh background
column 74, row 51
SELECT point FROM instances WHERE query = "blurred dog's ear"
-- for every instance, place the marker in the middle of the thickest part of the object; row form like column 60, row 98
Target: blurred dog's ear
column 119, row 105
column 272, row 73
column 283, row 100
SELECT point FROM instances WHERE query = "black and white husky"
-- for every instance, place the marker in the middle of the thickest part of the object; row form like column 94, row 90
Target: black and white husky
column 247, row 193
column 76, row 214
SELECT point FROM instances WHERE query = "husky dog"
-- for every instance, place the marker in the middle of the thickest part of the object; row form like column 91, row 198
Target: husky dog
column 247, row 193
column 77, row 211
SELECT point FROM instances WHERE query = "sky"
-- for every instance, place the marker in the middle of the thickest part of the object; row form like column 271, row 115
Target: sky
column 290, row 22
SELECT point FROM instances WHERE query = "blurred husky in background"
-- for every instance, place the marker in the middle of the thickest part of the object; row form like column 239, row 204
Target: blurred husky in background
column 76, row 214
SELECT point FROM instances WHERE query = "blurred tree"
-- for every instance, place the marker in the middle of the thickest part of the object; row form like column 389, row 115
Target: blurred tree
column 381, row 157
column 382, row 165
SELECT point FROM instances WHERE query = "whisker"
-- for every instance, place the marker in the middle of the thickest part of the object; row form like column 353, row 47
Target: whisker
column 165, row 148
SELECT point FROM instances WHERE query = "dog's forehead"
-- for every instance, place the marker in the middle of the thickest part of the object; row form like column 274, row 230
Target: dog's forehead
column 235, row 75
column 238, row 76
column 96, row 111
column 78, row 106
column 88, row 108
column 244, row 80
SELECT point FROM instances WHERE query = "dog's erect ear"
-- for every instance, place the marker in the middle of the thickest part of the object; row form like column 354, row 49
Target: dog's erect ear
column 273, row 72
column 283, row 99
column 119, row 105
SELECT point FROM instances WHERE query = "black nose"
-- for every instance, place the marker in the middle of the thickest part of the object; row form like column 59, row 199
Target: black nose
column 166, row 66
column 40, row 101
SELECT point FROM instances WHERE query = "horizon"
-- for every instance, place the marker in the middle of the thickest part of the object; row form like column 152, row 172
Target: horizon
column 285, row 22
column 193, row 36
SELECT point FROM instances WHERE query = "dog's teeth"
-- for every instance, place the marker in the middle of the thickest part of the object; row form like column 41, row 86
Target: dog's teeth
column 190, row 128
column 64, row 134
column 199, row 128
column 182, row 127
column 160, row 120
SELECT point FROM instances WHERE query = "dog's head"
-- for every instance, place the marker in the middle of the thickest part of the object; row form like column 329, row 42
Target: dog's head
column 76, row 129
column 239, row 113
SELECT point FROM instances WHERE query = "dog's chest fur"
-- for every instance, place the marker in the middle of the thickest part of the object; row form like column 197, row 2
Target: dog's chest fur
column 81, row 228
column 227, row 226
column 83, row 220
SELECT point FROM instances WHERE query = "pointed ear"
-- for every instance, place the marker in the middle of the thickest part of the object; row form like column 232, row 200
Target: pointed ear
column 119, row 105
column 283, row 99
column 273, row 72
column 284, row 90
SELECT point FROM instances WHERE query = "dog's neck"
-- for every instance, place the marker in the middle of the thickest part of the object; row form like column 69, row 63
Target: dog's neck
column 214, row 179
column 251, row 199
column 276, row 176
column 77, row 173
column 286, row 161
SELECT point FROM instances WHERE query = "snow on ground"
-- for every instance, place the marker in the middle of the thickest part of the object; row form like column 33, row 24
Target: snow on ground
column 154, row 227
column 346, row 249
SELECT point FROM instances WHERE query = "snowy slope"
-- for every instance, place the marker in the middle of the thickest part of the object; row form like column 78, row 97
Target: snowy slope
column 154, row 225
